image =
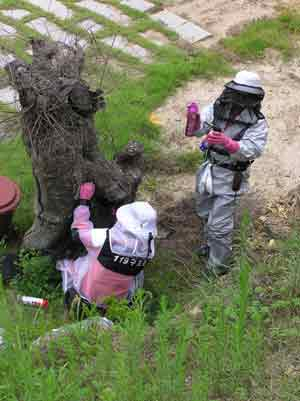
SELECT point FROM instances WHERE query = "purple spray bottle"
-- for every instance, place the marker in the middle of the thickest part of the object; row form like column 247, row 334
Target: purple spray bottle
column 192, row 119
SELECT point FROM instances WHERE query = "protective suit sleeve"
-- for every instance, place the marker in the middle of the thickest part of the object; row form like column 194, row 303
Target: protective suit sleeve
column 206, row 116
column 253, row 142
column 82, row 223
column 98, row 237
column 90, row 237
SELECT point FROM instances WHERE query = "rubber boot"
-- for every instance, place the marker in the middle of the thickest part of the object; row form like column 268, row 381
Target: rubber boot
column 202, row 251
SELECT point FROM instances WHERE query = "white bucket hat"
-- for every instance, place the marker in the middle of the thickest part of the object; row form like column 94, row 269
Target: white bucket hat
column 139, row 218
column 134, row 231
column 247, row 81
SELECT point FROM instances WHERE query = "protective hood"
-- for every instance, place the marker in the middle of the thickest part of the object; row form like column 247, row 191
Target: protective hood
column 134, row 232
column 234, row 105
column 241, row 99
column 247, row 82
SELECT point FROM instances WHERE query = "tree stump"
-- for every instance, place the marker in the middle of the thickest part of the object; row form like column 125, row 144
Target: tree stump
column 57, row 117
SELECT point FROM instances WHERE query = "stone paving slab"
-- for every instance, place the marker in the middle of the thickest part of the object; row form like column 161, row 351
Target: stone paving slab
column 139, row 5
column 120, row 43
column 186, row 30
column 107, row 11
column 46, row 28
column 90, row 26
column 10, row 97
column 169, row 19
column 54, row 7
column 15, row 14
column 7, row 30
column 156, row 37
column 5, row 59
column 191, row 32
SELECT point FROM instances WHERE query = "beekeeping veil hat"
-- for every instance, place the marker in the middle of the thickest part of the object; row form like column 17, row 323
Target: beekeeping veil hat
column 135, row 229
column 248, row 82
column 244, row 92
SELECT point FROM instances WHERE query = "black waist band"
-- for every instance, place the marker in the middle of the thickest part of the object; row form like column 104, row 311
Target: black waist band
column 237, row 166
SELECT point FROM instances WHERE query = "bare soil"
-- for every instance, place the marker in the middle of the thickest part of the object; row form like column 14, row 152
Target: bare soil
column 277, row 172
column 221, row 17
column 273, row 175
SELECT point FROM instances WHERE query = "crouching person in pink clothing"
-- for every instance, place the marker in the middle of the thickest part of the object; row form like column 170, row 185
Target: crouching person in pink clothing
column 116, row 257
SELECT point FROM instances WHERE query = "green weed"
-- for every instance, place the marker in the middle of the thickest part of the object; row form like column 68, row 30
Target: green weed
column 277, row 33
column 188, row 161
column 38, row 276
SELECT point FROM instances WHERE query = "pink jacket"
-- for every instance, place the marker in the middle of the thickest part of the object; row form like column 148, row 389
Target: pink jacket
column 86, row 274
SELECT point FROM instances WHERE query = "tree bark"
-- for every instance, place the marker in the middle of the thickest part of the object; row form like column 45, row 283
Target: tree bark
column 57, row 116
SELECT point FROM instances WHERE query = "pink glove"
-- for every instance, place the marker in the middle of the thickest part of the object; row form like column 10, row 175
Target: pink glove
column 219, row 138
column 87, row 190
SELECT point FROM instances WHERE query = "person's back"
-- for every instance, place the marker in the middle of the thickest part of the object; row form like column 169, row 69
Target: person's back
column 115, row 257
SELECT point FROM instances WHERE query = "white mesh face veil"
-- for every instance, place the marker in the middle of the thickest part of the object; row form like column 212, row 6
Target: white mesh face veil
column 127, row 244
column 134, row 232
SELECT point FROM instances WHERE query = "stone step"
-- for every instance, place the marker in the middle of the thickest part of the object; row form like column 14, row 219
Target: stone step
column 121, row 43
column 15, row 14
column 139, row 5
column 156, row 37
column 7, row 30
column 10, row 97
column 54, row 7
column 90, row 26
column 5, row 59
column 105, row 10
column 47, row 28
column 186, row 30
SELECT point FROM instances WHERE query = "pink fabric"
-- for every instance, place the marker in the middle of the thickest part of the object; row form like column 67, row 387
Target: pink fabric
column 100, row 283
column 87, row 190
column 81, row 221
column 219, row 138
column 81, row 218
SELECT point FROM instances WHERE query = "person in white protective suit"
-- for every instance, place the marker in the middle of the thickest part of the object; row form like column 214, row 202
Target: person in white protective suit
column 235, row 133
column 115, row 257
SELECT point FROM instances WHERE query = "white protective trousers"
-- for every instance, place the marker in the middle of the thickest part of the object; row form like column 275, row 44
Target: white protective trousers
column 215, row 200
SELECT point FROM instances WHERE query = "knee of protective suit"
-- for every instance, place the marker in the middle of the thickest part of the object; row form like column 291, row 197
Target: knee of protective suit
column 221, row 228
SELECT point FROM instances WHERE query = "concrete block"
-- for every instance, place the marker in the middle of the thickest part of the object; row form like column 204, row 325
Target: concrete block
column 90, row 26
column 191, row 32
column 186, row 30
column 49, row 29
column 169, row 19
column 15, row 14
column 105, row 10
column 7, row 30
column 120, row 43
column 10, row 97
column 54, row 7
column 156, row 37
column 139, row 5
column 5, row 59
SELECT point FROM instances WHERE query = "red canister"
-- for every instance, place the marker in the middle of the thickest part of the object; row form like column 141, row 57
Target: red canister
column 10, row 196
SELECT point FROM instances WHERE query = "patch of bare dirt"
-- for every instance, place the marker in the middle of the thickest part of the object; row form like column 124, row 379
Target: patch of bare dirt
column 219, row 17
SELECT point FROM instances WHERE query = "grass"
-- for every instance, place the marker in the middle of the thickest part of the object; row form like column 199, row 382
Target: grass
column 200, row 342
column 15, row 164
column 280, row 33
column 172, row 353
column 129, row 103
column 134, row 361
